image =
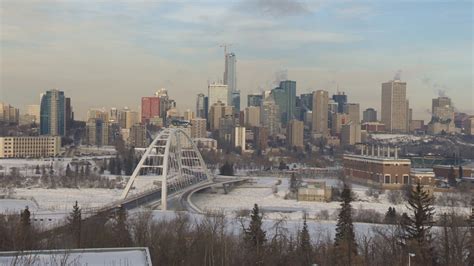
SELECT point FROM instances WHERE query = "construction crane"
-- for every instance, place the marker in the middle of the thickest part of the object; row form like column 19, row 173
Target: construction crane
column 225, row 45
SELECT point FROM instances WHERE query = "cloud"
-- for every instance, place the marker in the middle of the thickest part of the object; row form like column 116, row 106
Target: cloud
column 275, row 8
column 355, row 11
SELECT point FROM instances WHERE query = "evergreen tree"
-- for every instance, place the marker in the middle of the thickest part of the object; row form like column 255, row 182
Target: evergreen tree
column 391, row 216
column 75, row 224
column 254, row 236
column 68, row 171
column 227, row 169
column 88, row 170
column 112, row 166
column 129, row 161
column 305, row 247
column 417, row 226
column 76, row 170
column 82, row 171
column 451, row 177
column 51, row 170
column 345, row 236
column 24, row 230
column 460, row 172
column 120, row 228
column 37, row 171
column 118, row 166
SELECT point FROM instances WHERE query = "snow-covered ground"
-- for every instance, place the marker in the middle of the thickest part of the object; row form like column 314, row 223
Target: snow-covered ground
column 62, row 199
column 276, row 206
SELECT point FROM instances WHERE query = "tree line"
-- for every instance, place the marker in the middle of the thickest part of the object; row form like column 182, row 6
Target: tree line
column 211, row 241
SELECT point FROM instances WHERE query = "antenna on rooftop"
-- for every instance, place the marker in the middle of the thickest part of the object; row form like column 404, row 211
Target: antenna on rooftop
column 225, row 45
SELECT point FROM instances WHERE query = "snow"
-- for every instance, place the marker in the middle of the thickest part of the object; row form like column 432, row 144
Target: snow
column 16, row 205
column 62, row 199
column 276, row 206
column 114, row 256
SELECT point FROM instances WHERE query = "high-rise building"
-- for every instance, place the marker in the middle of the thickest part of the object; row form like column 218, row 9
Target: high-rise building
column 198, row 128
column 132, row 118
column 53, row 113
column 217, row 93
column 307, row 101
column 150, row 108
column 236, row 102
column 113, row 115
column 269, row 116
column 353, row 110
column 188, row 115
column 295, row 134
column 97, row 132
column 252, row 116
column 239, row 137
column 9, row 114
column 350, row 133
column 369, row 115
column 254, row 99
column 230, row 76
column 341, row 100
column 216, row 112
column 260, row 136
column 201, row 109
column 34, row 111
column 338, row 120
column 226, row 128
column 95, row 113
column 442, row 119
column 320, row 113
column 469, row 129
column 69, row 114
column 137, row 137
column 332, row 110
column 289, row 87
column 394, row 106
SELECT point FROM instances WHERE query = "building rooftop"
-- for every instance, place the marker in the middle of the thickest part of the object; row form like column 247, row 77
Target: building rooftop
column 93, row 256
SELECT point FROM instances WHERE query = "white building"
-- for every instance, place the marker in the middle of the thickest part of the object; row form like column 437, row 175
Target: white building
column 35, row 146
column 216, row 93
column 239, row 137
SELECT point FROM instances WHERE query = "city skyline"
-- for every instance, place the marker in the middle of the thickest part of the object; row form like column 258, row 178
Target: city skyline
column 93, row 49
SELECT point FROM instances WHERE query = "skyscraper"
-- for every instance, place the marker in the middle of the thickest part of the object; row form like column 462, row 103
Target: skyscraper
column 353, row 110
column 269, row 116
column 201, row 109
column 69, row 114
column 394, row 106
column 320, row 113
column 150, row 108
column 230, row 75
column 252, row 116
column 369, row 115
column 217, row 93
column 236, row 102
column 285, row 98
column 34, row 111
column 254, row 99
column 198, row 128
column 295, row 134
column 216, row 112
column 289, row 86
column 341, row 100
column 53, row 113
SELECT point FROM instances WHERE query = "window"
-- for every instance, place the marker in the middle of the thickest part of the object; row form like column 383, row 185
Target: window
column 406, row 179
column 387, row 179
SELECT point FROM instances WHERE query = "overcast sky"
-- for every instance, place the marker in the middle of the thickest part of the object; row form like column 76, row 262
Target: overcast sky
column 109, row 53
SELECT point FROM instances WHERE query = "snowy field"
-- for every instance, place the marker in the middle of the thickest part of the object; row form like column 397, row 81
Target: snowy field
column 276, row 206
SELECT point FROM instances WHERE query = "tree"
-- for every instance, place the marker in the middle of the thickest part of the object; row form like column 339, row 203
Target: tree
column 227, row 169
column 88, row 170
column 75, row 224
column 76, row 170
column 118, row 166
column 24, row 230
column 37, row 171
column 120, row 228
column 416, row 227
column 68, row 171
column 129, row 162
column 82, row 171
column 345, row 236
column 254, row 236
column 460, row 172
column 391, row 216
column 112, row 166
column 305, row 247
column 282, row 166
column 451, row 177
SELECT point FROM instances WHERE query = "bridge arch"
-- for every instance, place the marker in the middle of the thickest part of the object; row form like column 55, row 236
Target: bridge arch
column 172, row 162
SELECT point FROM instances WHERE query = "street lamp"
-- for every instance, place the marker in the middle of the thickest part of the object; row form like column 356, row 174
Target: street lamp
column 410, row 255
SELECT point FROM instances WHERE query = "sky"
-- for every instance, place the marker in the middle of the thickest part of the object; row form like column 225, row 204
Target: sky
column 112, row 53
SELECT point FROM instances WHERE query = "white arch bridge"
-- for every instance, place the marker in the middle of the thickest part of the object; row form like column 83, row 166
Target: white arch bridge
column 170, row 165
